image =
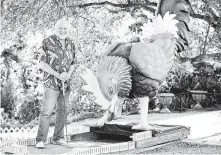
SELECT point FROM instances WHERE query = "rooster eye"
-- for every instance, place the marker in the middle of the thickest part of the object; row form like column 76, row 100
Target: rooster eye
column 111, row 91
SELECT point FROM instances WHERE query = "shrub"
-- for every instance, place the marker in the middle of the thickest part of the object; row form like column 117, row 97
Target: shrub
column 130, row 106
column 203, row 77
column 7, row 100
column 29, row 110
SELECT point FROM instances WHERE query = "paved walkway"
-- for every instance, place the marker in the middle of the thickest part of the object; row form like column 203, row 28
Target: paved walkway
column 202, row 124
column 184, row 148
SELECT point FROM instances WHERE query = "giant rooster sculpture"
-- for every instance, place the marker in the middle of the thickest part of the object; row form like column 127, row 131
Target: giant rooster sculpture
column 137, row 69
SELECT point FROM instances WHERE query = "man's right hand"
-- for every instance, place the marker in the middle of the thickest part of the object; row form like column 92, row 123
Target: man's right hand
column 64, row 76
column 59, row 76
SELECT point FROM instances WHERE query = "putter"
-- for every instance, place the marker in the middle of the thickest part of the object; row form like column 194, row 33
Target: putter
column 63, row 89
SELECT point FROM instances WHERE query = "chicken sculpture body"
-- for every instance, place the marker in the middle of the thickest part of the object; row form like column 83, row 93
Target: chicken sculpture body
column 138, row 69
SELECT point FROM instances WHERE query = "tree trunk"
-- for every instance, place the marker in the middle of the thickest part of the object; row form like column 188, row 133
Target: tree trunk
column 205, row 42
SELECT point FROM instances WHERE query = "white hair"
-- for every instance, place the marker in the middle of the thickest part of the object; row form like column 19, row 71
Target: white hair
column 62, row 22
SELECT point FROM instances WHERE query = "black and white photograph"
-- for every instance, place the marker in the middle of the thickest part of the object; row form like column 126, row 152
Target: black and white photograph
column 118, row 77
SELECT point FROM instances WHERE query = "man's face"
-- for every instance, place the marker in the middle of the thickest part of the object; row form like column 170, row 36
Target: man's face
column 62, row 31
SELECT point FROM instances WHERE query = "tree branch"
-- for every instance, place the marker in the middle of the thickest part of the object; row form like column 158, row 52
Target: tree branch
column 147, row 6
column 61, row 8
column 41, row 6
column 144, row 6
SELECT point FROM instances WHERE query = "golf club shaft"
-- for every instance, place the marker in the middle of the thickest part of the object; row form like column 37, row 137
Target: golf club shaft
column 63, row 89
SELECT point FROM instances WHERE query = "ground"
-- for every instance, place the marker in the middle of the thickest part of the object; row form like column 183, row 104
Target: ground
column 185, row 148
column 205, row 127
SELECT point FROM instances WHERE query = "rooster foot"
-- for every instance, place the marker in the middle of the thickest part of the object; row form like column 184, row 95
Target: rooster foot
column 145, row 126
column 100, row 123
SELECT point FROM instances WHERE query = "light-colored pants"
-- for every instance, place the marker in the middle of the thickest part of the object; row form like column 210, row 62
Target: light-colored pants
column 52, row 99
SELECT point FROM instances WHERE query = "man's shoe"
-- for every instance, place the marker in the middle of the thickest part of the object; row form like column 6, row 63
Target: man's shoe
column 40, row 145
column 60, row 142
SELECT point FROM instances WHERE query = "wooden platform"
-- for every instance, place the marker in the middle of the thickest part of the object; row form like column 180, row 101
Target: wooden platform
column 161, row 134
column 115, row 138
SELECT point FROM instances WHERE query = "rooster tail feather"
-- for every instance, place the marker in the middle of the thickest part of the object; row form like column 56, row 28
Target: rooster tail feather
column 182, row 10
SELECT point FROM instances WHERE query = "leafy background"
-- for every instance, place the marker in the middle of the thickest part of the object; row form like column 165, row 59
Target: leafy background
column 96, row 24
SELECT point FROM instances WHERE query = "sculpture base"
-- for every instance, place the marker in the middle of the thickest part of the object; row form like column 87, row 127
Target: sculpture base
column 116, row 138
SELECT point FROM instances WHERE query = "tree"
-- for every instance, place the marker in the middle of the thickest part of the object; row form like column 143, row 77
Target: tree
column 96, row 23
column 51, row 10
column 33, row 15
column 211, row 10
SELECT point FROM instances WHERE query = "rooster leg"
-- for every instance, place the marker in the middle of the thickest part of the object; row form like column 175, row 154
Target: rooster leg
column 113, row 112
column 143, row 125
column 104, row 119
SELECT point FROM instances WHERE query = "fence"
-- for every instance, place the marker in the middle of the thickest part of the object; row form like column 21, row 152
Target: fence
column 14, row 134
column 27, row 136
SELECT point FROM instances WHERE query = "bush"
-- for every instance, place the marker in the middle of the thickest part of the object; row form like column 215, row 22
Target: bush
column 7, row 100
column 130, row 106
column 83, row 102
column 29, row 110
column 203, row 77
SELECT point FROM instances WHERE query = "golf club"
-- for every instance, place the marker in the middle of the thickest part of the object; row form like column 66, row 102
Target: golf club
column 65, row 121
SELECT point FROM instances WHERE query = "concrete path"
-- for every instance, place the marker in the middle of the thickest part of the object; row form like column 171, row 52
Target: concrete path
column 202, row 125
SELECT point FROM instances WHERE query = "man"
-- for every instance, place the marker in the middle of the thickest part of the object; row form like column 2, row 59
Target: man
column 57, row 63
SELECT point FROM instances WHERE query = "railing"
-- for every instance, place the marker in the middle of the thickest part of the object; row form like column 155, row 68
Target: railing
column 19, row 133
column 15, row 138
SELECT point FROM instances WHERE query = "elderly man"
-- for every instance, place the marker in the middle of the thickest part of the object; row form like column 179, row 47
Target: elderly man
column 57, row 63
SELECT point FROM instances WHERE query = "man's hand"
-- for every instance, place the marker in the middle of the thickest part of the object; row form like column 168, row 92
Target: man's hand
column 69, row 76
column 64, row 76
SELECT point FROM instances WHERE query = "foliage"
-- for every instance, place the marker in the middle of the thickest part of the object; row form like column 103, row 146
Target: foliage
column 23, row 84
column 178, row 77
column 8, row 100
column 29, row 110
column 182, row 79
column 95, row 25
column 130, row 106
column 208, row 10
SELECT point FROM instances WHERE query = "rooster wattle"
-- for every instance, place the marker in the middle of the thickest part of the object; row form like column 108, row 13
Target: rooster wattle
column 138, row 69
